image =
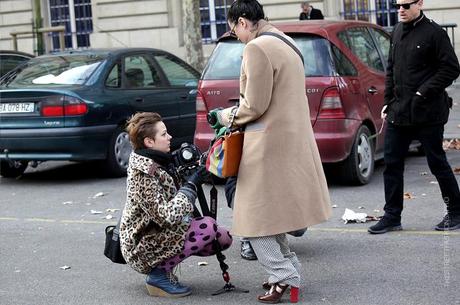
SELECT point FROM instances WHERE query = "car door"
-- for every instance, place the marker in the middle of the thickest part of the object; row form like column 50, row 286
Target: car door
column 183, row 81
column 147, row 91
column 371, row 72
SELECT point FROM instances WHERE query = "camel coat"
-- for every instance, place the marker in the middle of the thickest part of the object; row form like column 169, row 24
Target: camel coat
column 281, row 184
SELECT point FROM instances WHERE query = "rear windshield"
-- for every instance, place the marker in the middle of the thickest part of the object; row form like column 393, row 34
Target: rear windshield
column 225, row 61
column 58, row 70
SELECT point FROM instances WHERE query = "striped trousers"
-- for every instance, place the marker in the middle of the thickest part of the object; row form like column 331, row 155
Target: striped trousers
column 274, row 254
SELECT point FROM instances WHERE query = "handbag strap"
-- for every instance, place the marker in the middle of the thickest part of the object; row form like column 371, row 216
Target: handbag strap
column 286, row 41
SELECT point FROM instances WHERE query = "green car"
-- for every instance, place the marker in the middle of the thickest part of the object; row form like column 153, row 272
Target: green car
column 74, row 105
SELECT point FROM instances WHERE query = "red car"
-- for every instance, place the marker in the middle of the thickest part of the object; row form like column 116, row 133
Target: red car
column 345, row 63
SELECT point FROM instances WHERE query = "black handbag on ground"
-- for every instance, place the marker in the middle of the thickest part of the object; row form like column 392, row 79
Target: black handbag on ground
column 112, row 247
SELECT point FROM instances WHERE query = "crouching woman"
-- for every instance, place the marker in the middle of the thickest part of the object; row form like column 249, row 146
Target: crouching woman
column 157, row 230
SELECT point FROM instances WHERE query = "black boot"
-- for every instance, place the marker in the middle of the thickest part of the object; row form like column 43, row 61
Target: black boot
column 449, row 223
column 384, row 225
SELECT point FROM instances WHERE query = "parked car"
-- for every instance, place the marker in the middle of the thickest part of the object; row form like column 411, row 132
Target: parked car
column 11, row 59
column 345, row 64
column 73, row 105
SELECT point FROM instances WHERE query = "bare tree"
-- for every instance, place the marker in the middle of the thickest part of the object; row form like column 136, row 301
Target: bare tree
column 192, row 33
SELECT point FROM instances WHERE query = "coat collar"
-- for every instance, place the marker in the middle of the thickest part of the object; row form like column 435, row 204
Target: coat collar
column 143, row 164
column 262, row 26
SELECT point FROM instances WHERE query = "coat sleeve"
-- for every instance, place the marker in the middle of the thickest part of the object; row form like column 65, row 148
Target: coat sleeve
column 164, row 212
column 255, row 99
column 448, row 68
column 389, row 82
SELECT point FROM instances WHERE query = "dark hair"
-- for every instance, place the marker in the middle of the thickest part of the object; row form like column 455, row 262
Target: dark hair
column 249, row 9
column 140, row 126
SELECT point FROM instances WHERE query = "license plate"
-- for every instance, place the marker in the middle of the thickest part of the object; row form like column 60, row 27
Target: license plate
column 16, row 107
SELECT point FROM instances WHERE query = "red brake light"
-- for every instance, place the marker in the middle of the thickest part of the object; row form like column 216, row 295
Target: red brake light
column 331, row 105
column 58, row 106
column 52, row 110
column 75, row 109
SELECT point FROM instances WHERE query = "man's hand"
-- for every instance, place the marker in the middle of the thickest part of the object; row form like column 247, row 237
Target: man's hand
column 383, row 114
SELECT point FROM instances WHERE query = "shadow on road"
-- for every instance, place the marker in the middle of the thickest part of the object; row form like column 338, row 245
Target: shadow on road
column 65, row 171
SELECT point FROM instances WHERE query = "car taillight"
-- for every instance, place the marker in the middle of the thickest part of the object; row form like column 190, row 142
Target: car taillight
column 63, row 106
column 331, row 105
column 200, row 103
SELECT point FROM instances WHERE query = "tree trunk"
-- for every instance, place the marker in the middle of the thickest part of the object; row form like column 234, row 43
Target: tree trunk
column 192, row 34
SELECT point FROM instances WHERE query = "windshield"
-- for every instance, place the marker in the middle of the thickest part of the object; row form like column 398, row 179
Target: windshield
column 55, row 70
column 225, row 61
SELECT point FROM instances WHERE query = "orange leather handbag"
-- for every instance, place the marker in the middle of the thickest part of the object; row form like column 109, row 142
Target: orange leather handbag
column 225, row 155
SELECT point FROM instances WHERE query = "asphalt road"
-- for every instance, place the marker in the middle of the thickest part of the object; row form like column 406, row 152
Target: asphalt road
column 47, row 222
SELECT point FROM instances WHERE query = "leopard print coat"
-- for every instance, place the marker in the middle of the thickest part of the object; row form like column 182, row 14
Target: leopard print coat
column 152, row 227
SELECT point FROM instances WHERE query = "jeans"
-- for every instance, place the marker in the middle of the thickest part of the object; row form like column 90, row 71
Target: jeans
column 397, row 141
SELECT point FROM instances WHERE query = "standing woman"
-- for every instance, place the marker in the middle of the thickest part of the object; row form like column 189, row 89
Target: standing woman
column 157, row 230
column 281, row 184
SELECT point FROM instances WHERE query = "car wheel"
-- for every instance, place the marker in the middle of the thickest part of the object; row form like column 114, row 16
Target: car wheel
column 358, row 168
column 13, row 170
column 118, row 154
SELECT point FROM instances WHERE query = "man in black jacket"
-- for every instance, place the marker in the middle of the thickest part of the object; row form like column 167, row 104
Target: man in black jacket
column 308, row 12
column 421, row 65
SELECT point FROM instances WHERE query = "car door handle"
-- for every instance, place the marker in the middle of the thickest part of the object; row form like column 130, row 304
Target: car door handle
column 139, row 100
column 372, row 90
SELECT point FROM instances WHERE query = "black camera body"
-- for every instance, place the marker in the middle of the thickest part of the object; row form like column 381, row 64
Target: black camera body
column 186, row 158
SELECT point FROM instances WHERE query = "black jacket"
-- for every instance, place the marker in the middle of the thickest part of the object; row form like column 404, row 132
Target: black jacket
column 421, row 59
column 314, row 14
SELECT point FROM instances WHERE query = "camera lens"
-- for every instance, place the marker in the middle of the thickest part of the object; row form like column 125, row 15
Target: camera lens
column 187, row 155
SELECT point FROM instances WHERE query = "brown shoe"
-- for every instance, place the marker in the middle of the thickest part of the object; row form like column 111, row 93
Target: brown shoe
column 274, row 295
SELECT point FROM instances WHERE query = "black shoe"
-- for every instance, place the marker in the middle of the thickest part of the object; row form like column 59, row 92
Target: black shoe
column 449, row 223
column 247, row 252
column 384, row 225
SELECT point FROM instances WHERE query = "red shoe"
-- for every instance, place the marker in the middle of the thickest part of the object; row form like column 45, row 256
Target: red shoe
column 275, row 293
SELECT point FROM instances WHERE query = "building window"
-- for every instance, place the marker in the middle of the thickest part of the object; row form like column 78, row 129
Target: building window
column 386, row 13
column 381, row 12
column 76, row 16
column 213, row 19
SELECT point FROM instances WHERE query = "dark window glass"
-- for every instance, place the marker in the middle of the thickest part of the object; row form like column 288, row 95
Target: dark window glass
column 225, row 61
column 214, row 24
column 383, row 41
column 317, row 58
column 360, row 42
column 176, row 71
column 139, row 73
column 114, row 78
column 60, row 15
column 9, row 62
column 343, row 65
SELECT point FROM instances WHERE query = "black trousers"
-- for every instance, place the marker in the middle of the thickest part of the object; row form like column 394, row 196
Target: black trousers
column 397, row 141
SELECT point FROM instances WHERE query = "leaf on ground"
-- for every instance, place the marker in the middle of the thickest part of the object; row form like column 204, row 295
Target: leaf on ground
column 202, row 263
column 96, row 212
column 423, row 173
column 457, row 170
column 100, row 194
column 451, row 144
column 408, row 195
column 65, row 267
